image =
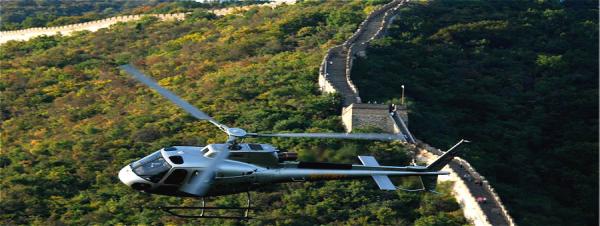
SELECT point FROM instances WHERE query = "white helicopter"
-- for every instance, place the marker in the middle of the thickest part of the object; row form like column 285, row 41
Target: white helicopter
column 232, row 167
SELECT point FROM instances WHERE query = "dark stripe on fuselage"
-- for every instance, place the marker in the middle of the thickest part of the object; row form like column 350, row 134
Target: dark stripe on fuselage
column 323, row 165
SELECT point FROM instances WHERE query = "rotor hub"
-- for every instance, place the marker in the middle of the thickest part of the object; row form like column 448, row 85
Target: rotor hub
column 236, row 132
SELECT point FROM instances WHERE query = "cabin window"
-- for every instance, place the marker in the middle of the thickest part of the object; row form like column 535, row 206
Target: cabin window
column 176, row 177
column 256, row 147
column 176, row 159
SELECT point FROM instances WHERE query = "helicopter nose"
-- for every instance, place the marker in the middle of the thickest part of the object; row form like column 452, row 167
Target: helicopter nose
column 130, row 179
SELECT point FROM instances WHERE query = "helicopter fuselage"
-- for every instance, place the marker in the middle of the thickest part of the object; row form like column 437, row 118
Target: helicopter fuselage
column 169, row 170
column 219, row 169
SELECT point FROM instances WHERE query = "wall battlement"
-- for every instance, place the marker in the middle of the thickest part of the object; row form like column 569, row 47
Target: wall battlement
column 25, row 34
column 368, row 115
column 89, row 26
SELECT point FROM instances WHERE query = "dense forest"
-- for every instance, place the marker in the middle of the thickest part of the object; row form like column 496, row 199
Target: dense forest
column 519, row 80
column 71, row 119
column 19, row 14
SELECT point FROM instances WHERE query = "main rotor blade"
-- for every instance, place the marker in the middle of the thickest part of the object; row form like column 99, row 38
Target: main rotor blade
column 359, row 136
column 169, row 95
column 200, row 184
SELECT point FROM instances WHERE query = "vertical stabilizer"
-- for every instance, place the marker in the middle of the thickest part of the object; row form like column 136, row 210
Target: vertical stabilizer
column 443, row 160
column 430, row 182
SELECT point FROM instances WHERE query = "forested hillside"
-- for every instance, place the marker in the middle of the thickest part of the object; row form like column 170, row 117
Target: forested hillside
column 71, row 119
column 520, row 80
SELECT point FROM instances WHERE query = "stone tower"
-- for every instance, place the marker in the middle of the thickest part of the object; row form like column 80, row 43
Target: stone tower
column 368, row 115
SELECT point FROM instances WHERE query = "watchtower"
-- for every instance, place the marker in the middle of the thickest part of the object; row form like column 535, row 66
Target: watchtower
column 367, row 115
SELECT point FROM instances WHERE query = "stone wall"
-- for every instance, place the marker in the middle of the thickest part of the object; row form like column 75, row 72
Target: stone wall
column 112, row 20
column 351, row 48
column 25, row 34
column 365, row 115
column 486, row 185
column 236, row 9
column 357, row 115
column 471, row 209
column 325, row 82
column 357, row 48
column 388, row 17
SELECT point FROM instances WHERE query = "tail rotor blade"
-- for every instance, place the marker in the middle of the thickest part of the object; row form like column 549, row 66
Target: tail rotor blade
column 169, row 95
column 356, row 136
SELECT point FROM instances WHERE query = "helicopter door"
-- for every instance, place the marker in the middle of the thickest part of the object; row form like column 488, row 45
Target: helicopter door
column 176, row 177
column 251, row 176
column 196, row 173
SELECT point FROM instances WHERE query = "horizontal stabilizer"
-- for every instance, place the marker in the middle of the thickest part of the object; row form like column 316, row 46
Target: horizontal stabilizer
column 382, row 181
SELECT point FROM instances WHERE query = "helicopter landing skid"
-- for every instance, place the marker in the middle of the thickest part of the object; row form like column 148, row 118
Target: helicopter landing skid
column 203, row 207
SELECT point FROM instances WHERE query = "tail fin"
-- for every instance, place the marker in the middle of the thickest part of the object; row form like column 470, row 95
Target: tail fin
column 443, row 160
column 430, row 181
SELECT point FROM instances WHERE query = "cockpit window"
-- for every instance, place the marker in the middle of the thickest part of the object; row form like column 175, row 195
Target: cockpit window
column 146, row 159
column 152, row 167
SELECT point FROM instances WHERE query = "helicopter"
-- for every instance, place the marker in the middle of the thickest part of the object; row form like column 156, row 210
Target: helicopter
column 234, row 167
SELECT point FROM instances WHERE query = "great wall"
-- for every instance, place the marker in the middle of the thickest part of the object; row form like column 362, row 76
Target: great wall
column 335, row 77
column 25, row 34
column 469, row 187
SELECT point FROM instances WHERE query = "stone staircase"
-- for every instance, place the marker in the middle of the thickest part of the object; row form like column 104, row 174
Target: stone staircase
column 339, row 68
column 334, row 76
column 337, row 71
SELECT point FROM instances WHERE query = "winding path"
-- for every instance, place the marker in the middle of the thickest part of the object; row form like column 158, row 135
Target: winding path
column 490, row 212
column 491, row 208
column 337, row 72
column 337, row 68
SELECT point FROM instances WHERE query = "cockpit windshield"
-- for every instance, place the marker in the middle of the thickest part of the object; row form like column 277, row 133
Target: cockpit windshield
column 152, row 167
